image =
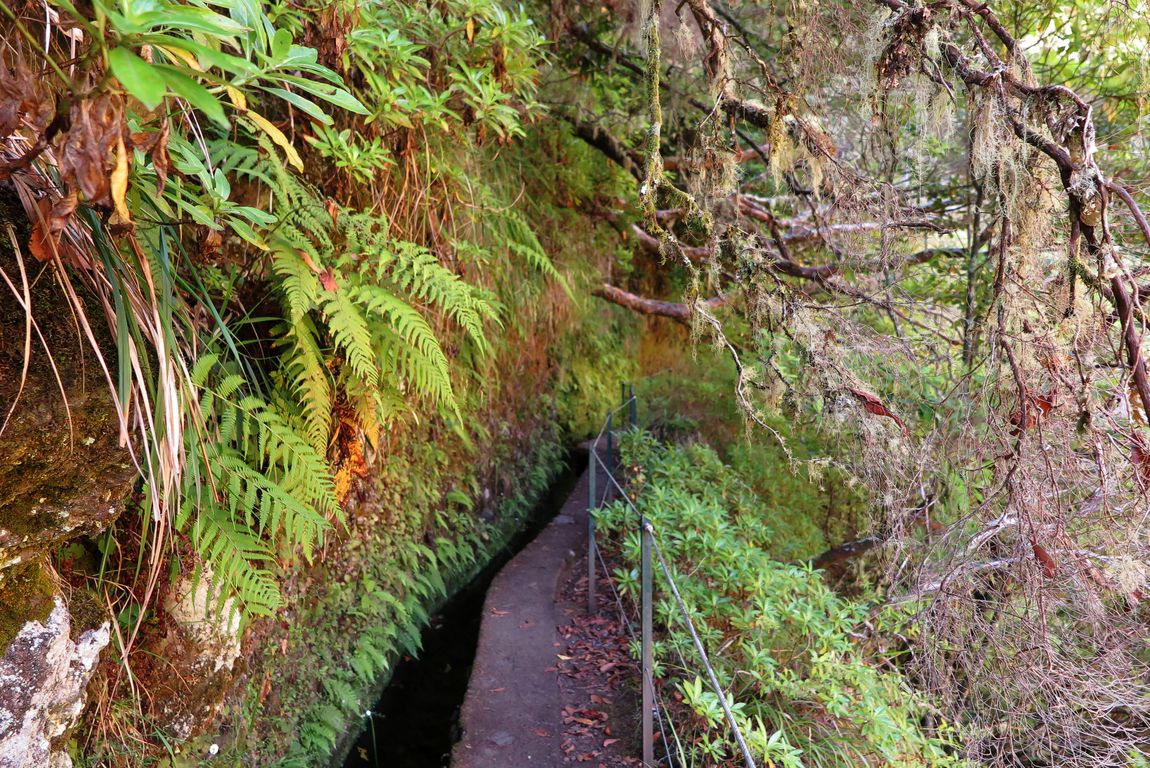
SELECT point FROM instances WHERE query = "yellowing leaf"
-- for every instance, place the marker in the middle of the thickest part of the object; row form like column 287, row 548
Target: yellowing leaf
column 119, row 180
column 470, row 30
column 237, row 97
column 278, row 137
column 182, row 55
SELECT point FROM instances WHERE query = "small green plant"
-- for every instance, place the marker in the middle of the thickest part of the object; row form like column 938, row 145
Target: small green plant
column 361, row 158
column 802, row 689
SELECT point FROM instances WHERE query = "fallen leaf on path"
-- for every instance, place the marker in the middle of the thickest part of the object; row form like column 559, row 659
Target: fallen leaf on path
column 499, row 613
column 609, row 742
column 496, row 690
column 542, row 733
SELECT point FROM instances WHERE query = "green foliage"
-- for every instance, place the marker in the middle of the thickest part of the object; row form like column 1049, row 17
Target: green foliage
column 350, row 330
column 358, row 628
column 252, row 485
column 813, row 504
column 272, row 312
column 786, row 648
column 200, row 53
column 468, row 65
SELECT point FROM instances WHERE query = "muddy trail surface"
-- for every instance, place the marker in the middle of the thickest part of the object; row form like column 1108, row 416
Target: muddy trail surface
column 550, row 685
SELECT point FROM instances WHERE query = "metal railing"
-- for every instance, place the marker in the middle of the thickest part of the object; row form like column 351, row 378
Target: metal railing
column 653, row 707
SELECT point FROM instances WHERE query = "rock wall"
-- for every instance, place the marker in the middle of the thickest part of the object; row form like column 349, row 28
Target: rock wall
column 63, row 474
column 43, row 676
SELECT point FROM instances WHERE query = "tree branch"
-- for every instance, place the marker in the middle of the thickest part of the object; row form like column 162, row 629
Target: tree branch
column 646, row 306
column 603, row 141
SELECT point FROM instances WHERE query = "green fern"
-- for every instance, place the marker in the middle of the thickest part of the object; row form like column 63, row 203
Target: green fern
column 359, row 317
column 413, row 270
column 309, row 380
column 253, row 486
column 353, row 327
column 352, row 335
column 408, row 346
column 503, row 226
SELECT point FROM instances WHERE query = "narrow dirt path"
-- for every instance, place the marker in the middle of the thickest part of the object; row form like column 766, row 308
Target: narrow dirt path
column 536, row 632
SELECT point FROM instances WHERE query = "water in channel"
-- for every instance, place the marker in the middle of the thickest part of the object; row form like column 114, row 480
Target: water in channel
column 415, row 723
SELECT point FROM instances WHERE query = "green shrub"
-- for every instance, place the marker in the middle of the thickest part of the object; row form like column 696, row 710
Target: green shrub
column 786, row 648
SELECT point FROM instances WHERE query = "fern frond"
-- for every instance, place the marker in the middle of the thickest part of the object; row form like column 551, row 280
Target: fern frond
column 351, row 333
column 523, row 243
column 410, row 345
column 309, row 381
column 237, row 557
column 253, row 485
column 419, row 274
column 304, row 470
column 414, row 271
column 298, row 283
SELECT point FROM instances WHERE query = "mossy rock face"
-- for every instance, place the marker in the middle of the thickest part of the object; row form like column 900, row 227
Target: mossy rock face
column 62, row 470
column 45, row 667
column 26, row 594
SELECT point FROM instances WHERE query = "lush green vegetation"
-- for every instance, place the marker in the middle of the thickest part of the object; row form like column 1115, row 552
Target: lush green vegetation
column 322, row 257
column 803, row 685
column 347, row 251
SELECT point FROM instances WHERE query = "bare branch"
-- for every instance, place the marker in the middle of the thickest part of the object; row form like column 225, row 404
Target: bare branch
column 645, row 306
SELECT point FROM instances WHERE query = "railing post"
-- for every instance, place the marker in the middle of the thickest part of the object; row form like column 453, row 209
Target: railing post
column 591, row 551
column 633, row 409
column 648, row 674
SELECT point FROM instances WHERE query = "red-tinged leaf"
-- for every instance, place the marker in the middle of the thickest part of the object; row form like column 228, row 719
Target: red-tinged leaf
column 872, row 404
column 1140, row 458
column 1049, row 567
column 542, row 733
column 327, row 279
column 609, row 742
column 1037, row 407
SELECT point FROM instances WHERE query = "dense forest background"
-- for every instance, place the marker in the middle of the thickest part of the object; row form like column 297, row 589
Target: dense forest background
column 303, row 301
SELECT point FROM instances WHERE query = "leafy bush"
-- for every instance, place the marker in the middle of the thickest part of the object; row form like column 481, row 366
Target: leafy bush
column 786, row 648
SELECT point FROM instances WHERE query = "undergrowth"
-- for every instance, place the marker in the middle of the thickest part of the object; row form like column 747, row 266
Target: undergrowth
column 787, row 650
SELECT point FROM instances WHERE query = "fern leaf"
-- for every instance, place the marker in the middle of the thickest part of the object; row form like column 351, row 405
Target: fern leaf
column 410, row 344
column 351, row 333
